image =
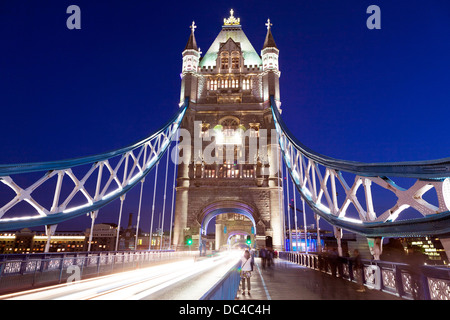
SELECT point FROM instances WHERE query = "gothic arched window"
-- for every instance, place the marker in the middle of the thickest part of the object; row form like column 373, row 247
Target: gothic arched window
column 235, row 60
column 229, row 122
column 224, row 60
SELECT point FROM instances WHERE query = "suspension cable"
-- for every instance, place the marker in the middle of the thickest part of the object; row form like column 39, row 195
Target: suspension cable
column 288, row 210
column 93, row 215
column 280, row 200
column 122, row 198
column 153, row 207
column 304, row 222
column 164, row 203
column 139, row 215
column 173, row 187
column 295, row 217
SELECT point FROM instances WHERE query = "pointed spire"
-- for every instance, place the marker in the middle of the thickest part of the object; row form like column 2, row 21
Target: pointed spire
column 269, row 42
column 192, row 44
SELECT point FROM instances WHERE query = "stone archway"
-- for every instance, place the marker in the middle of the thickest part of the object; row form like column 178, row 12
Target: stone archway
column 227, row 206
column 239, row 233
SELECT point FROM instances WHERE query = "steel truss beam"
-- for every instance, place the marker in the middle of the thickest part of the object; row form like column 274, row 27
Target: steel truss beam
column 318, row 177
column 114, row 174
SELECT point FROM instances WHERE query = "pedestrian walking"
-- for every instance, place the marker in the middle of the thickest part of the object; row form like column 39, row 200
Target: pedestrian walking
column 416, row 260
column 333, row 260
column 246, row 271
column 263, row 255
column 269, row 257
column 358, row 268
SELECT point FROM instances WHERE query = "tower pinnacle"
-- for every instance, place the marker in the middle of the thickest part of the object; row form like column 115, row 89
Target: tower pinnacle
column 269, row 42
column 192, row 44
column 231, row 21
column 193, row 26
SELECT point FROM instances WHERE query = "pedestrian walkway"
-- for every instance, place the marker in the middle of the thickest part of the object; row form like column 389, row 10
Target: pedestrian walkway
column 286, row 280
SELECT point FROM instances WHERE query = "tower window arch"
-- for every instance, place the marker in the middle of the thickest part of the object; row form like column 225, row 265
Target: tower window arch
column 229, row 122
column 246, row 84
column 224, row 60
column 235, row 57
column 212, row 84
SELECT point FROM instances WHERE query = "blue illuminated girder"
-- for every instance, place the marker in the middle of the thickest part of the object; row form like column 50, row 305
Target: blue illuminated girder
column 135, row 167
column 303, row 166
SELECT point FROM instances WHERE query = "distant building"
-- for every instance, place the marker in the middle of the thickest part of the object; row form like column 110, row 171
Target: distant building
column 159, row 241
column 128, row 235
column 431, row 246
column 298, row 239
column 104, row 237
column 27, row 241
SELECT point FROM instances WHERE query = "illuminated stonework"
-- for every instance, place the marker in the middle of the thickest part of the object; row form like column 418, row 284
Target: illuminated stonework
column 228, row 98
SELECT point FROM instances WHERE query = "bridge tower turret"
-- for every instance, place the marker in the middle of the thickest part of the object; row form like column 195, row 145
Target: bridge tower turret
column 191, row 57
column 271, row 72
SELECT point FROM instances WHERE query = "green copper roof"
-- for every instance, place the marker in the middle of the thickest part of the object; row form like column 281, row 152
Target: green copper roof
column 235, row 32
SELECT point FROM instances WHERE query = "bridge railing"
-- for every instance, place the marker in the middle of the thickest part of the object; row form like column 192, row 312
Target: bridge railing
column 391, row 277
column 24, row 272
column 227, row 287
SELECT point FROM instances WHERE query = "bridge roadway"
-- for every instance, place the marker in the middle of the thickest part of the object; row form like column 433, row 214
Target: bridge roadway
column 191, row 278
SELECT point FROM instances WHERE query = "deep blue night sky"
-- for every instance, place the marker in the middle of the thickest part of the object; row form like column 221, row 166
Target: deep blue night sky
column 347, row 92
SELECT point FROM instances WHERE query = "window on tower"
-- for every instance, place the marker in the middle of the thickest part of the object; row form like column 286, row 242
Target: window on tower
column 224, row 60
column 212, row 84
column 235, row 60
column 235, row 63
column 224, row 64
column 246, row 84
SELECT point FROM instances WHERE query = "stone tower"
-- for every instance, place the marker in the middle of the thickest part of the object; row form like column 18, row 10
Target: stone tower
column 230, row 164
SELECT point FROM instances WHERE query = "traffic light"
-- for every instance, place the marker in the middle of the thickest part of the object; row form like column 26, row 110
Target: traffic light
column 188, row 240
column 249, row 240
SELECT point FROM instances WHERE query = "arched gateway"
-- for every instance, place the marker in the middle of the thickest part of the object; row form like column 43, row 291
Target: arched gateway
column 230, row 155
column 235, row 218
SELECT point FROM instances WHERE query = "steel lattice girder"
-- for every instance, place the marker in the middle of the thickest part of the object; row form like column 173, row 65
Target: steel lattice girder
column 316, row 178
column 134, row 161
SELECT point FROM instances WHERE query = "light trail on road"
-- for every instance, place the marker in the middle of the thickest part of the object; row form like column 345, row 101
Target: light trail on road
column 134, row 285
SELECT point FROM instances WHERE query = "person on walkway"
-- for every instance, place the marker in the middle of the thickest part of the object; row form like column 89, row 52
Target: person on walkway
column 416, row 260
column 246, row 270
column 333, row 260
column 269, row 257
column 358, row 268
column 263, row 255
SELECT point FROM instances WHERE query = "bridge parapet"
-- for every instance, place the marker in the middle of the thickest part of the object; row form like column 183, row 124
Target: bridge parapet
column 392, row 277
column 23, row 272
